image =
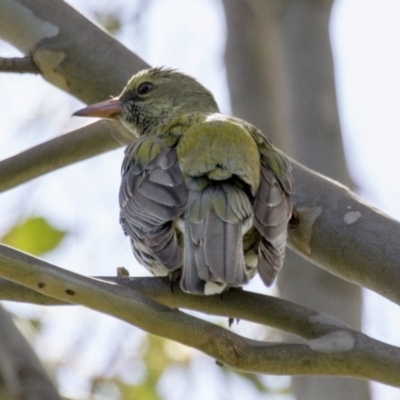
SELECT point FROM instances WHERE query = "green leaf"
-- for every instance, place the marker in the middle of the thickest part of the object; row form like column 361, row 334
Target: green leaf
column 34, row 235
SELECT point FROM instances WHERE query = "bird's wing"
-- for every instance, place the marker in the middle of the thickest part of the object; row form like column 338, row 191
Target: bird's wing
column 272, row 210
column 152, row 196
column 220, row 162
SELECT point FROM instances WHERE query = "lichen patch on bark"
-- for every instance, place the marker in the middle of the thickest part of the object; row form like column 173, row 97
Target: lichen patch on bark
column 333, row 342
column 48, row 63
column 351, row 217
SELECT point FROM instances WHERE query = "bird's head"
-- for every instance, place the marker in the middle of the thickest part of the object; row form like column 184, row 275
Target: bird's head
column 151, row 97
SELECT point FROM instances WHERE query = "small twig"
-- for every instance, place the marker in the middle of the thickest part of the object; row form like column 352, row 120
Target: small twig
column 22, row 65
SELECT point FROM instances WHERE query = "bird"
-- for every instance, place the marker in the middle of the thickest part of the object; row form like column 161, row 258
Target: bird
column 204, row 196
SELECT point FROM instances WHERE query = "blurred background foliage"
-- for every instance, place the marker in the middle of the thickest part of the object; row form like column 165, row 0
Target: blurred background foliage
column 34, row 235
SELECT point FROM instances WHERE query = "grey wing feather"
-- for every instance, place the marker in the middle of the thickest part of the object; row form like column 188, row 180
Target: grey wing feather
column 215, row 220
column 151, row 197
column 272, row 211
column 192, row 281
column 223, row 248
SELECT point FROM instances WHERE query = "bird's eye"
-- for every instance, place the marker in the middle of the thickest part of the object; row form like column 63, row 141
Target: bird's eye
column 145, row 88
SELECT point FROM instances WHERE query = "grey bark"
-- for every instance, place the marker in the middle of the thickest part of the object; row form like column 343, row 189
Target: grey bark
column 332, row 347
column 22, row 376
column 281, row 78
column 63, row 44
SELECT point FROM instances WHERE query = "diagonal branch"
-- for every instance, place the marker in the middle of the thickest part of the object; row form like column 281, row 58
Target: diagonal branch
column 88, row 141
column 21, row 374
column 337, row 350
column 18, row 64
column 70, row 52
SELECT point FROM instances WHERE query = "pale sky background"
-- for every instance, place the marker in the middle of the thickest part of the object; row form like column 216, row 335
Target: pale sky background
column 83, row 198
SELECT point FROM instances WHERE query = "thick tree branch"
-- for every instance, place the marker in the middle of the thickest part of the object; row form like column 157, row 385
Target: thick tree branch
column 336, row 350
column 339, row 232
column 19, row 65
column 69, row 50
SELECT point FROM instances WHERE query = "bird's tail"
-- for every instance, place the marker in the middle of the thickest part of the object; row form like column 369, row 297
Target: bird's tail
column 214, row 224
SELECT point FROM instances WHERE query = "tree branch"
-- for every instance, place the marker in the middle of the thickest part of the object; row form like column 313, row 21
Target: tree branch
column 69, row 50
column 86, row 142
column 20, row 65
column 235, row 303
column 334, row 349
column 22, row 375
column 340, row 233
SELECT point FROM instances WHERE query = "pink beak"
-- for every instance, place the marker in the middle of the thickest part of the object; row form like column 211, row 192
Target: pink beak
column 109, row 109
